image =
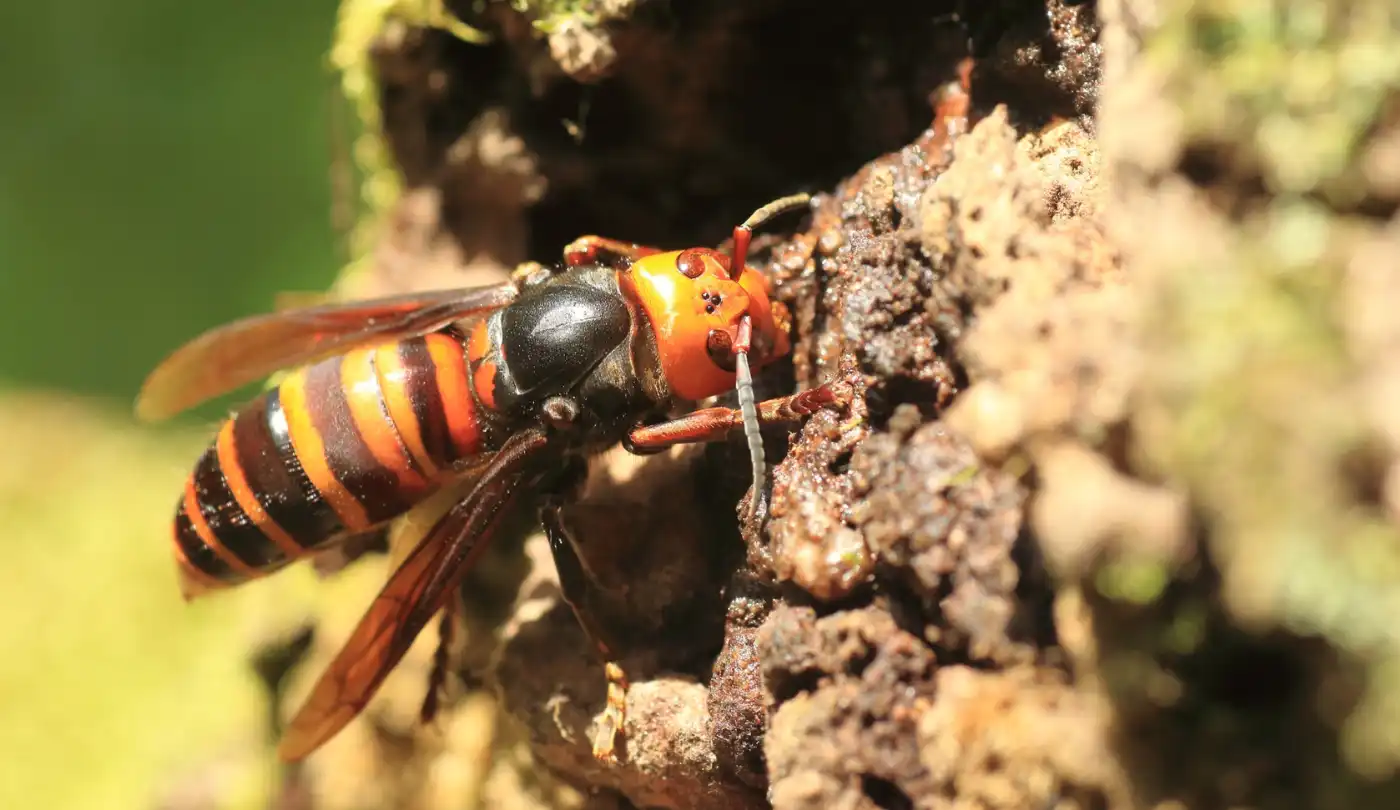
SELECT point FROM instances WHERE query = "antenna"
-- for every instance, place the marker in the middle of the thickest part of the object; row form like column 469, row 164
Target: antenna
column 743, row 376
column 743, row 233
column 743, row 385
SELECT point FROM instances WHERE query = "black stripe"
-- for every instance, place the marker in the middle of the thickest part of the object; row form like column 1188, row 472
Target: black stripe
column 199, row 554
column 273, row 471
column 227, row 520
column 351, row 462
column 420, row 383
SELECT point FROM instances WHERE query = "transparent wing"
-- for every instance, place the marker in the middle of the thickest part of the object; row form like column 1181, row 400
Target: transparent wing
column 245, row 351
column 415, row 592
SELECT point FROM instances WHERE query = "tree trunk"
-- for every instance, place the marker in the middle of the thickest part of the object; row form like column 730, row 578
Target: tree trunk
column 1111, row 521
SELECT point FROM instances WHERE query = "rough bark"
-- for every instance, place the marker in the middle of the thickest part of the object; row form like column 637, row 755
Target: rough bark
column 1112, row 520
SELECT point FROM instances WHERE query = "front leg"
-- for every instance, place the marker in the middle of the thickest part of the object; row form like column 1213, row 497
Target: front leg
column 714, row 424
column 601, row 250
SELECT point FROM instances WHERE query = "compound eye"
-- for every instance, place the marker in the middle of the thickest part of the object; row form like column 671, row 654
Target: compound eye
column 691, row 263
column 720, row 346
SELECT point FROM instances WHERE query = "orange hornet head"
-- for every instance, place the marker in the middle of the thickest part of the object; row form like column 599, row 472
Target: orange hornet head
column 697, row 309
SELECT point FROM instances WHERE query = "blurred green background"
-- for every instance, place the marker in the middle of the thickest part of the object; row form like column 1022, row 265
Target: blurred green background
column 164, row 166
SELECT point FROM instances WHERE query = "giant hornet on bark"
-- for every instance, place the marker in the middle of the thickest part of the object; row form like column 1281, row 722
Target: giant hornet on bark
column 513, row 384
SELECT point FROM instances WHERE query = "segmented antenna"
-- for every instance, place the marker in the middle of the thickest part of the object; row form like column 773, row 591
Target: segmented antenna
column 744, row 232
column 748, row 409
column 743, row 377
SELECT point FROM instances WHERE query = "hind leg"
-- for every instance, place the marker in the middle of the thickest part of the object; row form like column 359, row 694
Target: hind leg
column 573, row 586
column 437, row 680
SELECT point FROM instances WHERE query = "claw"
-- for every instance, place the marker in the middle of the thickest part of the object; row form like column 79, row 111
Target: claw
column 614, row 715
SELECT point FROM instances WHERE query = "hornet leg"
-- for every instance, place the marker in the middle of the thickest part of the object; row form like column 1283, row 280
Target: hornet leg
column 573, row 585
column 437, row 679
column 714, row 424
column 608, row 252
column 583, row 250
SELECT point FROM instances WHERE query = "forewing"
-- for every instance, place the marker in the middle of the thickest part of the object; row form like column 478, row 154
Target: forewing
column 400, row 612
column 245, row 351
column 416, row 590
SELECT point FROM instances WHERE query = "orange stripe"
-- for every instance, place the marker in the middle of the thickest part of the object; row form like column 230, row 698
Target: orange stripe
column 479, row 344
column 457, row 401
column 393, row 380
column 248, row 500
column 485, row 382
column 201, row 528
column 311, row 452
column 367, row 406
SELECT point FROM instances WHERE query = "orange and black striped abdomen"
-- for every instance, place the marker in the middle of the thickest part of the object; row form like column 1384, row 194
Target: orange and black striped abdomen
column 336, row 449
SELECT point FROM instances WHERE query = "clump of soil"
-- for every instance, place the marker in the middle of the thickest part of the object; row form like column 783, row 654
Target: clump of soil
column 1048, row 555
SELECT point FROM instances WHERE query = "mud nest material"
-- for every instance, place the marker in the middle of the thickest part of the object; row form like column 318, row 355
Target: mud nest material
column 1110, row 521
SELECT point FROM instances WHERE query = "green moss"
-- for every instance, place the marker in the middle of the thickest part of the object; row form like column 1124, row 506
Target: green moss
column 1292, row 86
column 359, row 24
column 963, row 477
column 1250, row 385
column 1138, row 582
column 547, row 16
column 1187, row 629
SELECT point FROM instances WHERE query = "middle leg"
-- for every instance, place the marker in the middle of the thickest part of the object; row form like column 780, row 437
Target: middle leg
column 573, row 587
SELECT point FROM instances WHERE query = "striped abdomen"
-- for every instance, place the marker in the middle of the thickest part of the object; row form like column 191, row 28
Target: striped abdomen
column 336, row 449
